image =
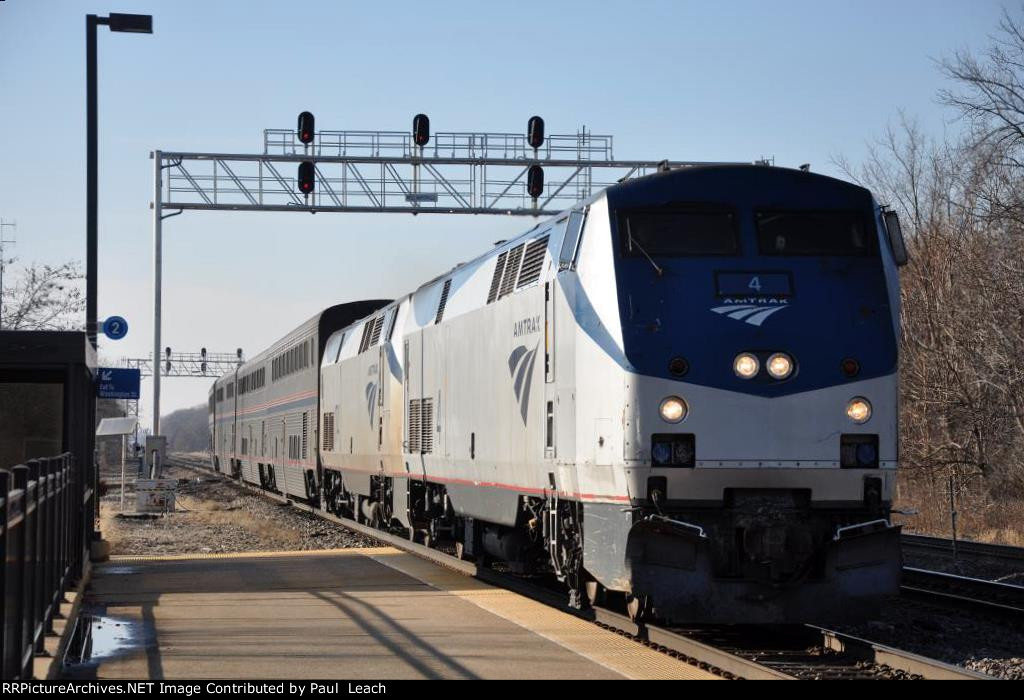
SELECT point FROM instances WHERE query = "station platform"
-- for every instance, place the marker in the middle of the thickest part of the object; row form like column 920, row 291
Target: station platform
column 378, row 614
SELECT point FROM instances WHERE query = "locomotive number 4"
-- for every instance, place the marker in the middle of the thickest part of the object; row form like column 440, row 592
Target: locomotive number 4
column 755, row 283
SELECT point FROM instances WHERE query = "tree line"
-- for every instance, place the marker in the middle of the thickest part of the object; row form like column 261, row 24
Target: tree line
column 961, row 201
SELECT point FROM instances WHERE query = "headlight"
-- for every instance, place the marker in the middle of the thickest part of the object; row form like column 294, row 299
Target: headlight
column 779, row 365
column 745, row 365
column 673, row 409
column 858, row 410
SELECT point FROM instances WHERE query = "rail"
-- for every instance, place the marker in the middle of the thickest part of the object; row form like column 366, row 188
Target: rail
column 1003, row 600
column 42, row 525
column 964, row 547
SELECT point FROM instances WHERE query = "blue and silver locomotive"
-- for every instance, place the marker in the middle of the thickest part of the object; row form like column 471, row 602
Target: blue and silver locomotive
column 683, row 390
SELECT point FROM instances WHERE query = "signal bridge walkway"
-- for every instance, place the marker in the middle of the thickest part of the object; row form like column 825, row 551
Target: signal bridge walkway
column 376, row 614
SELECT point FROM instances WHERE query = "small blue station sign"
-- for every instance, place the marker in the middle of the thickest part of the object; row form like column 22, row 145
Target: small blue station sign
column 117, row 383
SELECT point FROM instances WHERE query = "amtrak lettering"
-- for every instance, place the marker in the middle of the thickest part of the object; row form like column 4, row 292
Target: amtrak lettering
column 527, row 326
column 752, row 311
column 756, row 300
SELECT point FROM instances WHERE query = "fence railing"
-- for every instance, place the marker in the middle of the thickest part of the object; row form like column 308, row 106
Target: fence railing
column 42, row 552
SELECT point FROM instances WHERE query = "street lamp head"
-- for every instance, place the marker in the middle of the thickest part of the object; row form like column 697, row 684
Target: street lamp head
column 136, row 24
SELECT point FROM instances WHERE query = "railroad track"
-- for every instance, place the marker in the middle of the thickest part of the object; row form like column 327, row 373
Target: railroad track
column 788, row 652
column 1003, row 600
column 967, row 548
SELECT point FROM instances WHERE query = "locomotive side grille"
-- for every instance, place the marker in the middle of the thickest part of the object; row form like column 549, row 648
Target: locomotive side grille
column 444, row 301
column 427, row 441
column 364, row 343
column 328, row 432
column 508, row 279
column 414, row 425
column 378, row 324
column 533, row 260
column 496, row 280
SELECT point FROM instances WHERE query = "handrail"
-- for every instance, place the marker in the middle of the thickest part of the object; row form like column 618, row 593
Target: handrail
column 43, row 547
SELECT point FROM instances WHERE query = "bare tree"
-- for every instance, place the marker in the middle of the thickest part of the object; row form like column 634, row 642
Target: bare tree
column 988, row 92
column 44, row 297
column 962, row 380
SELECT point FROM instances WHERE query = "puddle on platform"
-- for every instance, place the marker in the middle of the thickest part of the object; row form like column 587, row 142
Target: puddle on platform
column 99, row 637
column 107, row 569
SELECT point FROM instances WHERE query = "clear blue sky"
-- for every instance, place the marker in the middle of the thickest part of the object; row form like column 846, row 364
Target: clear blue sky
column 799, row 81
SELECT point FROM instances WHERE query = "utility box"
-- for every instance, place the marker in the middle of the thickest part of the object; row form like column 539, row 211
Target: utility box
column 156, row 455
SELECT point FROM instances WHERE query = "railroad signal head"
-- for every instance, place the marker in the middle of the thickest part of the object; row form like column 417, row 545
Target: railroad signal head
column 421, row 129
column 307, row 177
column 306, row 127
column 535, row 181
column 535, row 132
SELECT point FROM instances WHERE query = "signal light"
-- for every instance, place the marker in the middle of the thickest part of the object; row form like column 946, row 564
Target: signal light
column 167, row 365
column 421, row 129
column 306, row 127
column 202, row 355
column 535, row 132
column 307, row 177
column 535, row 181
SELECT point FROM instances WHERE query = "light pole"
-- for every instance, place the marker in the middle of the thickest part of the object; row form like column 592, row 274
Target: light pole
column 137, row 24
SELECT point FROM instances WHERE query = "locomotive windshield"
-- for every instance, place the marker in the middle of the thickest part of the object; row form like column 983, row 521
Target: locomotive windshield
column 673, row 233
column 839, row 233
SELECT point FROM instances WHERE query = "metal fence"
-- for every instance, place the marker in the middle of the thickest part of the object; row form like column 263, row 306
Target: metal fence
column 42, row 552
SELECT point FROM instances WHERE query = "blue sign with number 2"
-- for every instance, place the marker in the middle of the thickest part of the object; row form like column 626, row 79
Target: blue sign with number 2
column 115, row 327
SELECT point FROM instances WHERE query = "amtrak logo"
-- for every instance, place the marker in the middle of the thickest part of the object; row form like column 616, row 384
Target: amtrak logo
column 753, row 314
column 520, row 366
column 371, row 399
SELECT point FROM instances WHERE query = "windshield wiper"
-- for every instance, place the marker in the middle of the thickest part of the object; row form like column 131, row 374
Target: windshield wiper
column 633, row 242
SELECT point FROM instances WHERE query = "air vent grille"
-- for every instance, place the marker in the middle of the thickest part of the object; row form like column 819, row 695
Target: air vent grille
column 427, row 442
column 533, row 261
column 508, row 279
column 328, row 432
column 305, row 435
column 414, row 426
column 364, row 342
column 378, row 325
column 444, row 301
column 496, row 280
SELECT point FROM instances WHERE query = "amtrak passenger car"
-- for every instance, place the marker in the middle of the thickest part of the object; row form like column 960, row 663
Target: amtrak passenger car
column 263, row 416
column 683, row 391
